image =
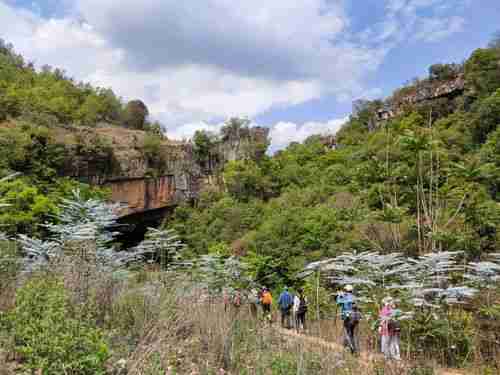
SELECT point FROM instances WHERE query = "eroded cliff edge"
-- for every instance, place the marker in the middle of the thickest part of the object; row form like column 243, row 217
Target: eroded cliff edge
column 148, row 172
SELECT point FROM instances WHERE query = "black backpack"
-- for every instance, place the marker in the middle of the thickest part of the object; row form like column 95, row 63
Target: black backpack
column 394, row 326
column 302, row 306
column 354, row 318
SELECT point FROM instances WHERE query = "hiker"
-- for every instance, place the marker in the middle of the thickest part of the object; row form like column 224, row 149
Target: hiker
column 383, row 329
column 345, row 299
column 295, row 310
column 394, row 328
column 266, row 301
column 285, row 303
column 300, row 310
column 351, row 325
column 237, row 298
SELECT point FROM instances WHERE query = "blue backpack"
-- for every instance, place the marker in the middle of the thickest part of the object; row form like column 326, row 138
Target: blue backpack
column 346, row 305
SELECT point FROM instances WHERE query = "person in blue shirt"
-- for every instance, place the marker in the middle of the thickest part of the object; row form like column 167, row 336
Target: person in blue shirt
column 346, row 301
column 285, row 304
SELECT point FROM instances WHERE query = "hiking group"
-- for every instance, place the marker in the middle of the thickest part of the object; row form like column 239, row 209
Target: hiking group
column 293, row 308
column 389, row 326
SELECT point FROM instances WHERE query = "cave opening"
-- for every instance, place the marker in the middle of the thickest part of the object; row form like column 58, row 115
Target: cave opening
column 133, row 228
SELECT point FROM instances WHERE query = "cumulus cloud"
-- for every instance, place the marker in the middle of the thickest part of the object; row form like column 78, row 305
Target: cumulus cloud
column 186, row 131
column 192, row 64
column 279, row 40
column 197, row 63
column 65, row 43
column 283, row 133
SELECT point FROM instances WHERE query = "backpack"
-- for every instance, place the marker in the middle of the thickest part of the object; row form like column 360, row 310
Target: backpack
column 302, row 306
column 287, row 302
column 346, row 308
column 394, row 326
column 267, row 299
column 353, row 318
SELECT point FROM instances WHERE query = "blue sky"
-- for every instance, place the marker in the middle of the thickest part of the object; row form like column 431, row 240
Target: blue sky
column 292, row 65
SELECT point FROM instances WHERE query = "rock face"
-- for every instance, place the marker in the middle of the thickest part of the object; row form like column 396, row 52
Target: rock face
column 432, row 91
column 147, row 173
column 420, row 93
column 239, row 143
column 141, row 194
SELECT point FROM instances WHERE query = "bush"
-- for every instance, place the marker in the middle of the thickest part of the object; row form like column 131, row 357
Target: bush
column 28, row 207
column 48, row 337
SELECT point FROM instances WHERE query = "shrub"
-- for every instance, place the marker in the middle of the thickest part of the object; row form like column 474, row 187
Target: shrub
column 48, row 337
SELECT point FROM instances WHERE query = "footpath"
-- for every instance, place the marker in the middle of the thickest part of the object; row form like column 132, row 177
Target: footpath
column 366, row 358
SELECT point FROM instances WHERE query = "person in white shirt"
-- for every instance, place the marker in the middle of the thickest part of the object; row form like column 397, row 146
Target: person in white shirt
column 295, row 310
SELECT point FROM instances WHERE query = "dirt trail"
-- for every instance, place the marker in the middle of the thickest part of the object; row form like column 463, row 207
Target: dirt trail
column 366, row 358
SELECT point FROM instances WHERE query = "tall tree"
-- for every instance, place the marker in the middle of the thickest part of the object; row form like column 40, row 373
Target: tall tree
column 135, row 114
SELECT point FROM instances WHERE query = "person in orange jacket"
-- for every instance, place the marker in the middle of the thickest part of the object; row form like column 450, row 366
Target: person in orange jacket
column 266, row 301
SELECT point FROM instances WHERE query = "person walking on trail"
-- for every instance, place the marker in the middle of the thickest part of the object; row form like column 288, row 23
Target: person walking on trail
column 237, row 299
column 345, row 299
column 394, row 327
column 295, row 311
column 351, row 327
column 285, row 303
column 266, row 301
column 383, row 329
column 301, row 310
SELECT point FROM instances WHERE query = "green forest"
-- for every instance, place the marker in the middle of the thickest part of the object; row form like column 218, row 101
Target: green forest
column 426, row 180
column 382, row 202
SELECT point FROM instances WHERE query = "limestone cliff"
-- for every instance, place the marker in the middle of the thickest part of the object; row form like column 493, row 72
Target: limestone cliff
column 146, row 172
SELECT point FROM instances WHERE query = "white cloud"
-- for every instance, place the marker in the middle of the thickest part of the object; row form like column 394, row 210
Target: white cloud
column 186, row 131
column 257, row 56
column 437, row 29
column 278, row 40
column 283, row 133
column 421, row 20
column 196, row 63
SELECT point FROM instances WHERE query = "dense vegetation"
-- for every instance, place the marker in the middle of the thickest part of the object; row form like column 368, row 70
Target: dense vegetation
column 49, row 97
column 36, row 107
column 425, row 180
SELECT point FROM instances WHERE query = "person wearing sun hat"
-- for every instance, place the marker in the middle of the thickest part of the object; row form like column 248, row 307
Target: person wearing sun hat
column 345, row 299
column 383, row 329
column 394, row 328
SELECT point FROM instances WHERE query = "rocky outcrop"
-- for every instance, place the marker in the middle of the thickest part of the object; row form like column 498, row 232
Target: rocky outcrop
column 431, row 90
column 145, row 172
column 143, row 194
column 420, row 93
column 243, row 143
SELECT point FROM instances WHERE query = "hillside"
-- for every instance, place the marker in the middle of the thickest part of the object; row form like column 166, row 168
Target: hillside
column 416, row 173
column 404, row 200
column 61, row 134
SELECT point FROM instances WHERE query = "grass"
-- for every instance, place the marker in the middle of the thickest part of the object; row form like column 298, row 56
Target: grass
column 168, row 325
